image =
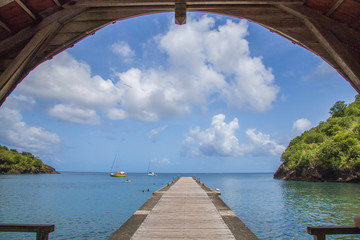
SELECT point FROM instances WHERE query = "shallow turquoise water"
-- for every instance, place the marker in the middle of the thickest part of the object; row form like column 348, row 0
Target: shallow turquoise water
column 94, row 205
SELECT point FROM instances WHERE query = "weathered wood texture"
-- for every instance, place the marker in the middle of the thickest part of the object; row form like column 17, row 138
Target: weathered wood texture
column 184, row 211
column 357, row 222
column 42, row 230
column 320, row 232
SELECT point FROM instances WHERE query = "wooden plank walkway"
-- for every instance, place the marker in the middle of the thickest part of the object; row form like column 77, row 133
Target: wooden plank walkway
column 184, row 209
column 186, row 212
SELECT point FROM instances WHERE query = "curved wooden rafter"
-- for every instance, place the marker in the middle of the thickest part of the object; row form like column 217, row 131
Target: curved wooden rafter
column 71, row 21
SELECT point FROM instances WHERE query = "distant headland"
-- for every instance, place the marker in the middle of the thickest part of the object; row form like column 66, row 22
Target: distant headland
column 13, row 162
column 329, row 152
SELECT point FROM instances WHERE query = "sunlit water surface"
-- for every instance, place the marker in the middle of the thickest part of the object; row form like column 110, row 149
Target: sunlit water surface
column 94, row 205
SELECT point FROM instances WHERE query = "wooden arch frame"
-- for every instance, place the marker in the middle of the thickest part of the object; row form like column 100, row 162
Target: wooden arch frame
column 71, row 21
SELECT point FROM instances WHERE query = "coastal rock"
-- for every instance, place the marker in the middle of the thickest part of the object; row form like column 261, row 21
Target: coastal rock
column 318, row 174
column 13, row 162
column 43, row 170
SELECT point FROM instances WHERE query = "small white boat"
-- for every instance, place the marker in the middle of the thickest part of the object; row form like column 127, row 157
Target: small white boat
column 149, row 173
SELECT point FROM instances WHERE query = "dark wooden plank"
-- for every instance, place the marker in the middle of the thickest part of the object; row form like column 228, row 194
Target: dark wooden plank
column 7, row 227
column 319, row 230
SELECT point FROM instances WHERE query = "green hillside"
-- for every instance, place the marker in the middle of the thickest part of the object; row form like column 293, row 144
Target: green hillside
column 11, row 161
column 327, row 152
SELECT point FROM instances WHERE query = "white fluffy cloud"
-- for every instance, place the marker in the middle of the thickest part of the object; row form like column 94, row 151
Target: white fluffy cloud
column 217, row 60
column 219, row 140
column 301, row 125
column 74, row 114
column 206, row 63
column 123, row 49
column 15, row 101
column 262, row 144
column 66, row 80
column 153, row 134
column 15, row 132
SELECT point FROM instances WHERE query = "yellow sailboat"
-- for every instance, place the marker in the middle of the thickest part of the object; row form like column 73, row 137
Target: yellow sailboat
column 117, row 173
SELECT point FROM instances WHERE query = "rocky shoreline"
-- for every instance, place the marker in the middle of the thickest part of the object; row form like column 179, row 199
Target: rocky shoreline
column 43, row 170
column 318, row 174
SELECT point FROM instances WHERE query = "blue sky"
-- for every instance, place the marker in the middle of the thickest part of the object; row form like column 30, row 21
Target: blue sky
column 215, row 95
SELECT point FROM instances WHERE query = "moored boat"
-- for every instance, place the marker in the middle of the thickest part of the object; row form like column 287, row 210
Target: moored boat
column 117, row 173
column 149, row 173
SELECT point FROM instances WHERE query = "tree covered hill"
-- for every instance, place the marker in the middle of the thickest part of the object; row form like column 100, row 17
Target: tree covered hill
column 327, row 152
column 13, row 162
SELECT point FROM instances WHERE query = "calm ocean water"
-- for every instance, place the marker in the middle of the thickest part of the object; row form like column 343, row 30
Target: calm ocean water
column 94, row 205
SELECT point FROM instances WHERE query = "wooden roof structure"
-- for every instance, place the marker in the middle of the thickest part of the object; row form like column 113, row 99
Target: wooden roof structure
column 33, row 31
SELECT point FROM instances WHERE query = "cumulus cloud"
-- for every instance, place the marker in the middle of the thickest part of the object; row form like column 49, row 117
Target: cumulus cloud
column 153, row 134
column 301, row 125
column 217, row 59
column 153, row 95
column 219, row 140
column 74, row 114
column 15, row 132
column 66, row 80
column 15, row 101
column 207, row 62
column 123, row 49
column 262, row 144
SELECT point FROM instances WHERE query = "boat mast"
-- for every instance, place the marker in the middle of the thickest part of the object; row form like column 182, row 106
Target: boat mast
column 117, row 161
column 149, row 166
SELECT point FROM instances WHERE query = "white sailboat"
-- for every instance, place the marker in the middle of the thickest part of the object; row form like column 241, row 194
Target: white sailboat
column 149, row 173
column 117, row 173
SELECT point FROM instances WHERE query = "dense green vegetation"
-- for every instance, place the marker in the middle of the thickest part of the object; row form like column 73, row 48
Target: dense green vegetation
column 11, row 161
column 333, row 144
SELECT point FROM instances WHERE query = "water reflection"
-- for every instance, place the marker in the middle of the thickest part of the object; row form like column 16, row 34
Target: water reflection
column 275, row 209
column 93, row 206
column 321, row 204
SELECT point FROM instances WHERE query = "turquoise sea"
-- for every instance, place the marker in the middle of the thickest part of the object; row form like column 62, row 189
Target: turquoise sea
column 94, row 205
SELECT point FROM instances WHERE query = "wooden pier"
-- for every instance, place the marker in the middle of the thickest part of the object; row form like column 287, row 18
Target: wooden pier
column 184, row 209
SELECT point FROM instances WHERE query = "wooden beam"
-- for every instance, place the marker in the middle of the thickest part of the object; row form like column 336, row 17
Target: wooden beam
column 57, row 3
column 3, row 25
column 180, row 12
column 11, row 76
column 118, row 13
column 321, row 27
column 26, row 9
column 24, row 35
column 334, row 7
column 4, row 2
column 123, row 3
column 240, row 10
column 259, row 2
